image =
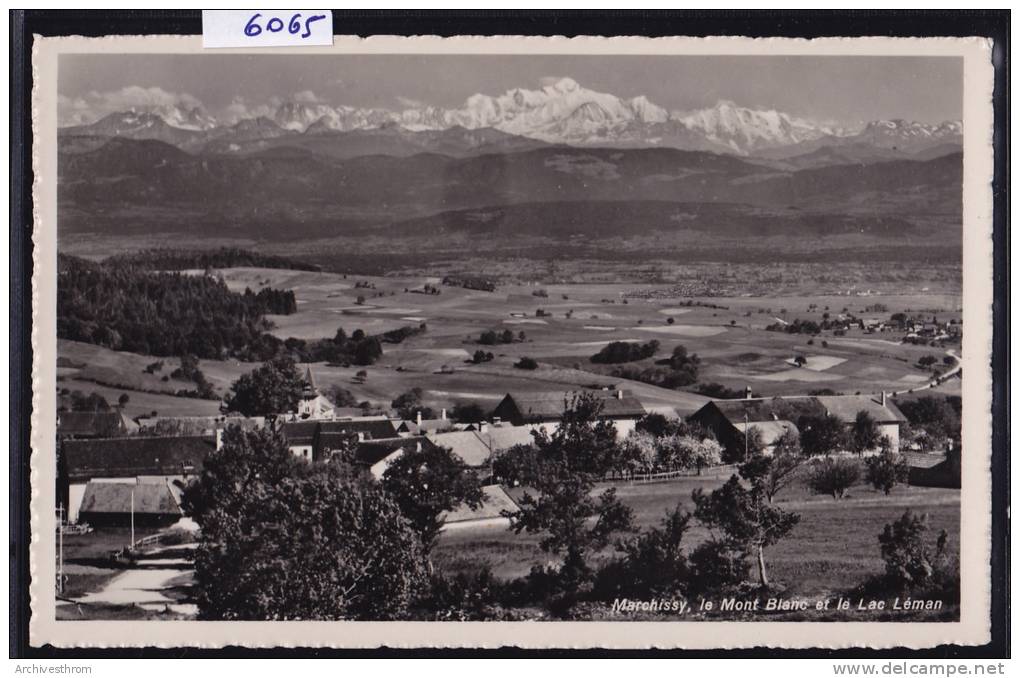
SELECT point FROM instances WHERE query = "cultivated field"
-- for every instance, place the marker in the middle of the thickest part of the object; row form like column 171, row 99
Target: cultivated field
column 577, row 320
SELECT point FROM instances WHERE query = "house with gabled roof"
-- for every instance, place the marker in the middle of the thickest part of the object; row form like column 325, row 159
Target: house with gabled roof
column 174, row 460
column 302, row 436
column 149, row 503
column 546, row 408
column 729, row 419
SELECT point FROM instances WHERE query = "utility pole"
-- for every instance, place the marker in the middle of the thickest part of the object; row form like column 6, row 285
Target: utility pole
column 746, row 427
column 132, row 518
column 60, row 549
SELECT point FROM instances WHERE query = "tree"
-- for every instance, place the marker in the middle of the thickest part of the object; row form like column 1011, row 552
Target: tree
column 886, row 469
column 800, row 361
column 409, row 404
column 927, row 360
column 283, row 539
column 821, row 434
column 864, row 433
column 570, row 519
column 123, row 400
column 641, row 446
column 748, row 521
column 833, row 476
column 684, row 451
column 427, row 483
column 469, row 413
column 340, row 396
column 274, row 388
column 779, row 471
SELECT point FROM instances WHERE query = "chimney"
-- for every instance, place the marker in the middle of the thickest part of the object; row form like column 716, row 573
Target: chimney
column 361, row 436
column 417, row 418
column 443, row 415
column 496, row 421
column 747, row 393
column 883, row 398
column 483, row 427
column 219, row 438
column 619, row 394
column 417, row 446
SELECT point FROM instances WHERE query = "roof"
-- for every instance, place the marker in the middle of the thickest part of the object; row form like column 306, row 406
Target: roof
column 847, row 407
column 304, row 432
column 505, row 437
column 154, row 497
column 496, row 500
column 135, row 456
column 550, row 405
column 475, row 447
column 427, row 425
column 370, row 452
column 771, row 431
column 97, row 424
column 787, row 407
column 467, row 445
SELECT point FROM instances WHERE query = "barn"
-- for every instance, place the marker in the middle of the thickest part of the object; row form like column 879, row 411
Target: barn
column 533, row 409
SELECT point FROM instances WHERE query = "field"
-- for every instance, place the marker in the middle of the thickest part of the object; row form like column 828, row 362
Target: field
column 831, row 551
column 728, row 333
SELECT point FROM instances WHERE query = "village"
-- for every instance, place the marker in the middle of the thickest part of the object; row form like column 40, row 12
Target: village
column 125, row 476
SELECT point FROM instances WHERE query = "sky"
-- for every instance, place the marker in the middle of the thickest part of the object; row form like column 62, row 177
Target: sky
column 832, row 89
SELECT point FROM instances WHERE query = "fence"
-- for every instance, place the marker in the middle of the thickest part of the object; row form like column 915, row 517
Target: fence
column 666, row 476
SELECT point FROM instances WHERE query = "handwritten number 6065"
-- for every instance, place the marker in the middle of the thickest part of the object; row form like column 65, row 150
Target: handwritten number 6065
column 275, row 25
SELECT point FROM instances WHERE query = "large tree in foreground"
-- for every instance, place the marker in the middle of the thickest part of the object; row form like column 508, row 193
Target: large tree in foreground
column 274, row 388
column 284, row 539
column 570, row 518
column 427, row 483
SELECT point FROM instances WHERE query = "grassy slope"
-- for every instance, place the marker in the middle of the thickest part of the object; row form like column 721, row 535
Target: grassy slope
column 832, row 549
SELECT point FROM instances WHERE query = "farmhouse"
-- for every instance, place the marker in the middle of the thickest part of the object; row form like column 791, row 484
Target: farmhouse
column 94, row 424
column 728, row 419
column 172, row 461
column 304, row 436
column 536, row 409
column 882, row 410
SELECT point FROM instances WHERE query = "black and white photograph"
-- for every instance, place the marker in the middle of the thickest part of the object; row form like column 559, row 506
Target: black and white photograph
column 513, row 337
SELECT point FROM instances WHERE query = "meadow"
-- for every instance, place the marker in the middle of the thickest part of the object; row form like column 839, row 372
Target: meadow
column 831, row 552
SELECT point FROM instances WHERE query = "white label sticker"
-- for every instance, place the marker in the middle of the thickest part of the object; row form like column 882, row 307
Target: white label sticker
column 267, row 27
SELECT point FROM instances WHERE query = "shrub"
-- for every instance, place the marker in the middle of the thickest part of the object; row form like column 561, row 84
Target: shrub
column 526, row 363
column 910, row 562
column 833, row 476
column 716, row 565
column 653, row 562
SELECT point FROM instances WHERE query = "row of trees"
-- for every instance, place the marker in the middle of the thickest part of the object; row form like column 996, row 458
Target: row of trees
column 176, row 259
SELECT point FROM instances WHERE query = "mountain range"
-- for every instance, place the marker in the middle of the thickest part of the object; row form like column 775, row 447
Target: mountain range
column 561, row 113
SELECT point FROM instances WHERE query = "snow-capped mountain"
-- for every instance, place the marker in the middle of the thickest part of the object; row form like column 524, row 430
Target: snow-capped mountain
column 561, row 112
column 744, row 130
